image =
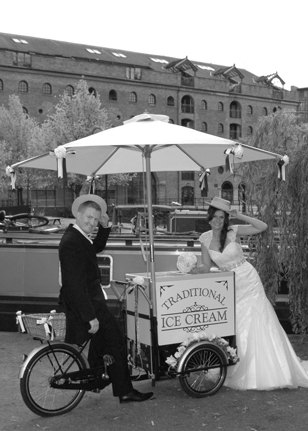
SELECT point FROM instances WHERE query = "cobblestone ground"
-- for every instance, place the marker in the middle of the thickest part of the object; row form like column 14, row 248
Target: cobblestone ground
column 172, row 409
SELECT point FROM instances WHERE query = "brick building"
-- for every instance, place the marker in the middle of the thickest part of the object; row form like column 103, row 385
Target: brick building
column 221, row 100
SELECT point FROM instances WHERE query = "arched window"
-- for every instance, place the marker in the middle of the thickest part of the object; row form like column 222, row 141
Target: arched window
column 235, row 110
column 235, row 131
column 152, row 99
column 187, row 122
column 23, row 87
column 188, row 196
column 249, row 110
column 204, row 105
column 1, row 85
column 204, row 127
column 113, row 97
column 171, row 121
column 46, row 88
column 92, row 91
column 25, row 110
column 187, row 105
column 132, row 98
column 227, row 191
column 249, row 131
column 264, row 111
column 220, row 106
column 170, row 101
column 220, row 129
column 69, row 90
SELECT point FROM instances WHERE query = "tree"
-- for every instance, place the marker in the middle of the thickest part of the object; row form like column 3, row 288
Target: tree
column 16, row 133
column 282, row 250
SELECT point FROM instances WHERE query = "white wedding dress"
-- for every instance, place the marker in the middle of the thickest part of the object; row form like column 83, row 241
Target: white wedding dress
column 267, row 359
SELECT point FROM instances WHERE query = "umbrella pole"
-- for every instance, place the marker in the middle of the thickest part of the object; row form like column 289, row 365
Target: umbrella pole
column 152, row 287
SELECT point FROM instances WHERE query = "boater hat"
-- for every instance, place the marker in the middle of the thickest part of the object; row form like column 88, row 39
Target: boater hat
column 221, row 204
column 86, row 198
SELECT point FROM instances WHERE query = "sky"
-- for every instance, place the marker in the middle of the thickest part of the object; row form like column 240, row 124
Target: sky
column 261, row 36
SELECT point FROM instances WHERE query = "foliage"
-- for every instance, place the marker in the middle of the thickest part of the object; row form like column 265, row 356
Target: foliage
column 282, row 250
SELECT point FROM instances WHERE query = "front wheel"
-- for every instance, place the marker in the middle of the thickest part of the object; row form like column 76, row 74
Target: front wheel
column 35, row 386
column 203, row 371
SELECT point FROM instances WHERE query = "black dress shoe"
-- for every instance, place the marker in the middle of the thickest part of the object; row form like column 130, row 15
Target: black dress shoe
column 135, row 395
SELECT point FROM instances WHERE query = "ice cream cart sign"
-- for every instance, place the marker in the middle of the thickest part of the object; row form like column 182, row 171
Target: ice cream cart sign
column 188, row 304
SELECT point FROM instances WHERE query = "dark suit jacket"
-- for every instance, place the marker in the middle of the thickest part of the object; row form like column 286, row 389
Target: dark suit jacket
column 81, row 292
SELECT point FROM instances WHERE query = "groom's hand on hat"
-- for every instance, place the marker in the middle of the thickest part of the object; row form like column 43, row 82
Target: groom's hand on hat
column 104, row 220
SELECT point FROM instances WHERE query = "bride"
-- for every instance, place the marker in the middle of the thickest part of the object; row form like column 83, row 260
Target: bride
column 267, row 359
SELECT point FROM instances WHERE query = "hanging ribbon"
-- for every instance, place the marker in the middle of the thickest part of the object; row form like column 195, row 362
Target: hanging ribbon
column 236, row 151
column 19, row 321
column 60, row 153
column 203, row 183
column 282, row 167
column 11, row 173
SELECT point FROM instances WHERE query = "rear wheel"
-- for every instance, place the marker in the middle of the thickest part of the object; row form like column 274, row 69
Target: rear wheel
column 35, row 386
column 204, row 370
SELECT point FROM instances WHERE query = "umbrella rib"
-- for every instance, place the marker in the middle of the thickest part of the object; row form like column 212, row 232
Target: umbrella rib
column 278, row 156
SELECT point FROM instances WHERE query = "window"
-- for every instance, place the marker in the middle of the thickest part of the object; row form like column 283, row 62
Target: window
column 21, row 59
column 92, row 91
column 220, row 129
column 69, row 90
column 119, row 54
column 171, row 121
column 133, row 73
column 46, row 89
column 113, row 97
column 152, row 99
column 220, row 106
column 23, row 87
column 188, row 195
column 1, row 85
column 204, row 127
column 187, row 105
column 249, row 110
column 93, row 51
column 235, row 110
column 204, row 105
column 25, row 110
column 188, row 176
column 227, row 191
column 249, row 131
column 264, row 111
column 235, row 131
column 23, row 41
column 170, row 101
column 132, row 98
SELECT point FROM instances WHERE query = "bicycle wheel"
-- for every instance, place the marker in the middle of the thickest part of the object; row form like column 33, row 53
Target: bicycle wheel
column 204, row 371
column 35, row 387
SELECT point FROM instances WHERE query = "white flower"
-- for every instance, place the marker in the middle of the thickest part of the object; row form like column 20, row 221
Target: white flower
column 186, row 262
column 171, row 361
column 60, row 152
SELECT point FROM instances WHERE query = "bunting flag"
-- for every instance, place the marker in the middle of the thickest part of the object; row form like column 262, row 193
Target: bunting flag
column 282, row 167
column 203, row 183
column 12, row 174
column 236, row 151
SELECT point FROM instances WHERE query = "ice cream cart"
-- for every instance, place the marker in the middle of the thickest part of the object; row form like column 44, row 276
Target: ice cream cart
column 188, row 324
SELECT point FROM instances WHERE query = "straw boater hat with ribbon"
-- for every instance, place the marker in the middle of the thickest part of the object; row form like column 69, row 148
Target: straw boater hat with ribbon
column 221, row 204
column 86, row 198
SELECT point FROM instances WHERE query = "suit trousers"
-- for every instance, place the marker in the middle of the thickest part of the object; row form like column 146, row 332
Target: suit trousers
column 110, row 340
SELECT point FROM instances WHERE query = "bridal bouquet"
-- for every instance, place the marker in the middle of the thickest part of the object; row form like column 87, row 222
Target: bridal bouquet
column 230, row 352
column 186, row 262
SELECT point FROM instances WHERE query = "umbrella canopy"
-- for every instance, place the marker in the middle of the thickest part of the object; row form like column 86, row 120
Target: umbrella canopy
column 171, row 148
column 146, row 143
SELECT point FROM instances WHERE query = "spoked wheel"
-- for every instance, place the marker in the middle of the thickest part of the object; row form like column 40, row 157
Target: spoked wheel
column 35, row 387
column 29, row 221
column 204, row 371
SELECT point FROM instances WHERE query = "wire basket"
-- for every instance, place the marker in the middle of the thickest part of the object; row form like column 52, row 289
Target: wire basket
column 47, row 326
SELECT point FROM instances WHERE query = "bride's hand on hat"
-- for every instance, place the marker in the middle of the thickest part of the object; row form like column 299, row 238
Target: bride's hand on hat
column 234, row 213
column 104, row 220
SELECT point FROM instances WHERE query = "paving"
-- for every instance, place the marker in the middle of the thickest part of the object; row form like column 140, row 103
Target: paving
column 171, row 409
